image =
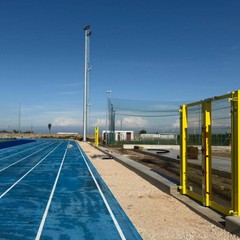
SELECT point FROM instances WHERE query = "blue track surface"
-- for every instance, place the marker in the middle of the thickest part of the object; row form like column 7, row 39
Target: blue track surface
column 14, row 142
column 50, row 190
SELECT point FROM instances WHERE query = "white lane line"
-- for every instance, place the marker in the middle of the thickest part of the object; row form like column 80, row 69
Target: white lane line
column 40, row 229
column 20, row 179
column 1, row 170
column 104, row 199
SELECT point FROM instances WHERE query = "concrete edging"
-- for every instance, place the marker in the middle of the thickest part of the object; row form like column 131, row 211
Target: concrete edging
column 145, row 172
column 232, row 225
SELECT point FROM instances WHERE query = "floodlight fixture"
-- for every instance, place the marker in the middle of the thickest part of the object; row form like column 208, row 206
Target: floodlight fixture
column 86, row 27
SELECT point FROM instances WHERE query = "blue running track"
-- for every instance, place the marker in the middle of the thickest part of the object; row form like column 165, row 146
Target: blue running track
column 50, row 190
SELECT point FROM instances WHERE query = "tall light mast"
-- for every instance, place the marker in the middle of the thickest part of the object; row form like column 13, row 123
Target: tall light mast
column 86, row 69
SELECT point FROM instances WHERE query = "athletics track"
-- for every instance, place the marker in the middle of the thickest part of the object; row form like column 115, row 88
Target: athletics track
column 50, row 190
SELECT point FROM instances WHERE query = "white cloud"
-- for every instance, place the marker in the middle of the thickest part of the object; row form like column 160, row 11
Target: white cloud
column 64, row 121
column 176, row 124
column 100, row 122
column 127, row 122
column 135, row 122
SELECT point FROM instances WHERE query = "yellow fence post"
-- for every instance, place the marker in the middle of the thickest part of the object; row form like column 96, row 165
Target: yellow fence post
column 206, row 152
column 96, row 136
column 183, row 149
column 235, row 147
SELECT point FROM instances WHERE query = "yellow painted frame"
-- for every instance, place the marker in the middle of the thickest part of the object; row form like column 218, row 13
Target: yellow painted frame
column 183, row 149
column 234, row 98
column 235, row 142
column 206, row 152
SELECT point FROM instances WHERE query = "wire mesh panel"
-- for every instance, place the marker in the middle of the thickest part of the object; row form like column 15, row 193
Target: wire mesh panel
column 221, row 152
column 154, row 117
column 194, row 142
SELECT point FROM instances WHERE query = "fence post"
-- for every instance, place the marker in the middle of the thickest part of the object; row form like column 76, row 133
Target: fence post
column 235, row 152
column 206, row 152
column 96, row 136
column 183, row 149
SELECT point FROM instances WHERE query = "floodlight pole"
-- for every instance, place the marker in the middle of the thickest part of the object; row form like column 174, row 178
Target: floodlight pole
column 19, row 121
column 106, row 134
column 86, row 69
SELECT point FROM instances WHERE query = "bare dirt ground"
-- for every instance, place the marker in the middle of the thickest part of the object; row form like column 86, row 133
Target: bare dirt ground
column 155, row 214
column 171, row 169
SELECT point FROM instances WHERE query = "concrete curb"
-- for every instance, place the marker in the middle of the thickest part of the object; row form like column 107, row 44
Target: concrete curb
column 231, row 224
column 145, row 172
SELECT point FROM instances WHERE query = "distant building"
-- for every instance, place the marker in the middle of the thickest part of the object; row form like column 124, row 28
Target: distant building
column 119, row 135
column 162, row 136
column 67, row 133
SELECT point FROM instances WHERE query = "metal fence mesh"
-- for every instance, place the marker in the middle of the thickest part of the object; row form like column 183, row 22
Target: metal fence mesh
column 137, row 115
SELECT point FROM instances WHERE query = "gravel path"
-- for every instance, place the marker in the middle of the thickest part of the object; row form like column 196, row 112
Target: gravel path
column 155, row 214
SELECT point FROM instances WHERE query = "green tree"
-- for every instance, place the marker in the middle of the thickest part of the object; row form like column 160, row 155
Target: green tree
column 143, row 131
column 49, row 127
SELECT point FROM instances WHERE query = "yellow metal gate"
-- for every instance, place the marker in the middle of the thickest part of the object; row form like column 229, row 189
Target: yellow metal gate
column 210, row 152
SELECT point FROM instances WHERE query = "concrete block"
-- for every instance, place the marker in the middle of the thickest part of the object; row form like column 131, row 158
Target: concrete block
column 232, row 224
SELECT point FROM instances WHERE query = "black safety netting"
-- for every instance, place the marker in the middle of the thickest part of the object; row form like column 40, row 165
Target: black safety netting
column 153, row 116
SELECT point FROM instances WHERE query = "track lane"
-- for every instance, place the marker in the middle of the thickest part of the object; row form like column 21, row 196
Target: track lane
column 16, row 156
column 40, row 229
column 30, row 170
column 10, row 175
column 79, row 209
column 17, row 147
column 60, row 192
column 6, row 155
column 26, row 199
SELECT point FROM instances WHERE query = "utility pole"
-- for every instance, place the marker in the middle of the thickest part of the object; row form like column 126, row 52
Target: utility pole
column 86, row 70
column 106, row 135
column 19, row 121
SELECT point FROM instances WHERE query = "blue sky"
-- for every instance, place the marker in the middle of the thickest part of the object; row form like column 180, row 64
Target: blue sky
column 150, row 50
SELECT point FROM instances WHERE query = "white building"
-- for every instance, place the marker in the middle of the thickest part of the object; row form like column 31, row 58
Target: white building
column 120, row 135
